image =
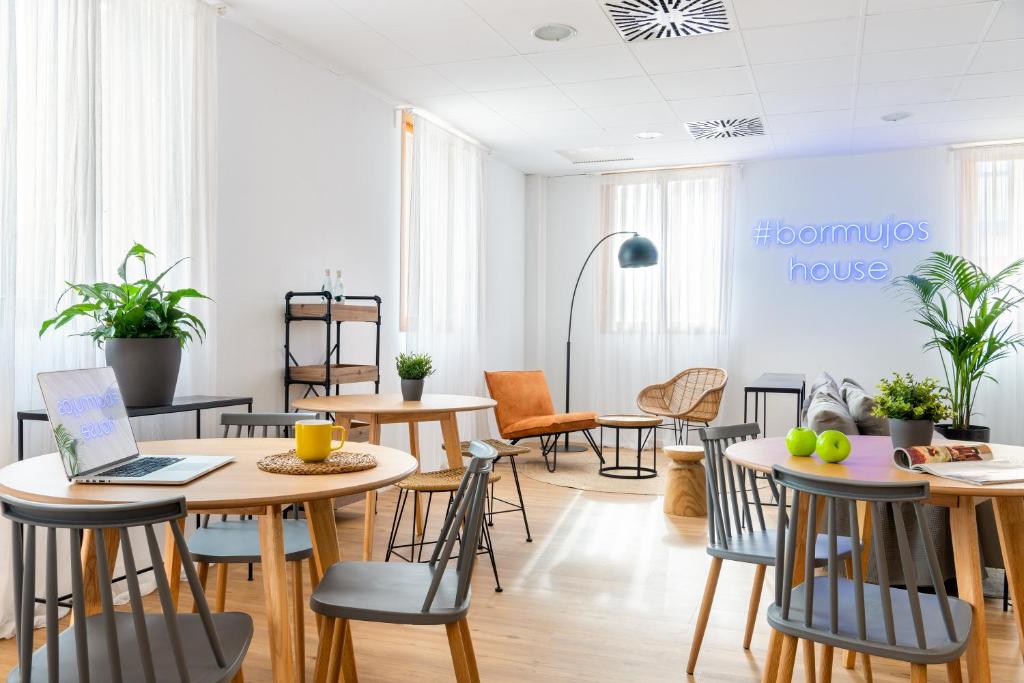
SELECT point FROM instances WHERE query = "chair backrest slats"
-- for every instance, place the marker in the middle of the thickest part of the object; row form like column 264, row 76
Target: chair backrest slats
column 52, row 631
column 167, row 605
column 103, row 566
column 463, row 523
column 904, row 501
column 196, row 587
column 138, row 610
column 732, row 508
column 78, row 607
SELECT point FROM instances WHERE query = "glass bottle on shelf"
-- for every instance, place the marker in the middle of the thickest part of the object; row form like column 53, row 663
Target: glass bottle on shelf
column 339, row 287
column 327, row 285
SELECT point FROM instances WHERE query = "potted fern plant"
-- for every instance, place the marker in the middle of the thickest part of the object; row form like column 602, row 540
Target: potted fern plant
column 413, row 368
column 141, row 327
column 965, row 310
column 912, row 408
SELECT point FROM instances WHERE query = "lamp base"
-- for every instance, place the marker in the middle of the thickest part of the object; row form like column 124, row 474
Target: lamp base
column 571, row 448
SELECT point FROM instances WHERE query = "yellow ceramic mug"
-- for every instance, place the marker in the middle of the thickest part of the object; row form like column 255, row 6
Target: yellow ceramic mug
column 313, row 441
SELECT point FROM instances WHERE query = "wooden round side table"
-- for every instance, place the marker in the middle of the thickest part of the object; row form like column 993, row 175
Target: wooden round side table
column 685, row 484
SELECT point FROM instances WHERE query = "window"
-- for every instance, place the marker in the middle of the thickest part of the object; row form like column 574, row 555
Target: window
column 686, row 213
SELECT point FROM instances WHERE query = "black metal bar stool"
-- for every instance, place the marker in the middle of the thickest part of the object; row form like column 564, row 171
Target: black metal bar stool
column 510, row 451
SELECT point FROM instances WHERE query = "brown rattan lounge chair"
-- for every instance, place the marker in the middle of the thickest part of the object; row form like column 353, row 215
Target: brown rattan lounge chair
column 691, row 397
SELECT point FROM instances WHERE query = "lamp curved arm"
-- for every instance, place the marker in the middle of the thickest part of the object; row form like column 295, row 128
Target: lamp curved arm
column 572, row 303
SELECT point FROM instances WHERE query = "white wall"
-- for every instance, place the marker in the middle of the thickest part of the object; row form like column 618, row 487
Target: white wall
column 309, row 179
column 851, row 329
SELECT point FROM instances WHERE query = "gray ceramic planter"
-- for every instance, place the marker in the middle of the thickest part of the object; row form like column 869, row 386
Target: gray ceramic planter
column 412, row 389
column 146, row 369
column 906, row 433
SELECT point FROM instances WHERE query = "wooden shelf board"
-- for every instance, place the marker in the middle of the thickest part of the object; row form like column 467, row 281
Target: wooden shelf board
column 339, row 312
column 344, row 373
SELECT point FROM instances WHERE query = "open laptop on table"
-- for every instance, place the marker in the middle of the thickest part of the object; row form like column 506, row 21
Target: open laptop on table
column 95, row 438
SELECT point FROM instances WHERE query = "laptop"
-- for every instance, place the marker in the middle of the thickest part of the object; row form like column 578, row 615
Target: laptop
column 95, row 438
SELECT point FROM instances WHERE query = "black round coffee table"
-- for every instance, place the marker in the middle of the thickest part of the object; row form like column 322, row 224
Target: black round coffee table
column 642, row 424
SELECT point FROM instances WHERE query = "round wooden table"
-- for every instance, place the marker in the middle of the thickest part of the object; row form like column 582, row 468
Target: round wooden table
column 381, row 409
column 871, row 460
column 239, row 487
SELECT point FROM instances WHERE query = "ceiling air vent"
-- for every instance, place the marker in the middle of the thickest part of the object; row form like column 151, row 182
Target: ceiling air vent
column 654, row 19
column 726, row 128
column 593, row 155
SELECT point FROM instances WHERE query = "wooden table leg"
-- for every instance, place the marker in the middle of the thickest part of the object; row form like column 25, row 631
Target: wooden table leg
column 172, row 562
column 967, row 558
column 414, row 448
column 275, row 591
column 326, row 551
column 90, row 579
column 1010, row 522
column 370, row 516
column 452, row 445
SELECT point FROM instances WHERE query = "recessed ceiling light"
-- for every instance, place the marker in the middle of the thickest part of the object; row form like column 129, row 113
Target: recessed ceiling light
column 554, row 32
column 648, row 135
column 895, row 116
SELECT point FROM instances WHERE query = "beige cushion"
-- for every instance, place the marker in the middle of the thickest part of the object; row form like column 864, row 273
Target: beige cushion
column 825, row 382
column 826, row 410
column 860, row 404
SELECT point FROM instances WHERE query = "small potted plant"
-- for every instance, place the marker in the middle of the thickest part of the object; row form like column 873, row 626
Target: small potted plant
column 413, row 368
column 141, row 327
column 913, row 407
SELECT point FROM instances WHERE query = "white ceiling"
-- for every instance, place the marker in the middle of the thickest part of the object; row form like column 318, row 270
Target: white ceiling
column 820, row 72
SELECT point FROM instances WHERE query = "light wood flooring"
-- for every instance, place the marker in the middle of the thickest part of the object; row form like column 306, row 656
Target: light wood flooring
column 608, row 591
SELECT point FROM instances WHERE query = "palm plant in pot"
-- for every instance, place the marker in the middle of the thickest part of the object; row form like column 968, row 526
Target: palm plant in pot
column 141, row 327
column 413, row 368
column 965, row 311
column 912, row 408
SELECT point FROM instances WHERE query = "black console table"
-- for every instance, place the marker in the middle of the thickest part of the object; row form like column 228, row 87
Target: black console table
column 181, row 404
column 773, row 383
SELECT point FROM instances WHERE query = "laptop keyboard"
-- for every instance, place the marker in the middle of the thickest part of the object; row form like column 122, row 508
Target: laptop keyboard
column 140, row 467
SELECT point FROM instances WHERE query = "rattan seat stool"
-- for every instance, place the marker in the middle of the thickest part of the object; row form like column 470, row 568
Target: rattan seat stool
column 510, row 451
column 429, row 483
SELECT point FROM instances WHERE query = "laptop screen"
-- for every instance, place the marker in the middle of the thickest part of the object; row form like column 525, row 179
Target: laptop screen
column 88, row 418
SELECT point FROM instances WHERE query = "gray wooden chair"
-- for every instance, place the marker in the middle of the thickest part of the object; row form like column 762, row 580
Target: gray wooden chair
column 115, row 645
column 876, row 619
column 235, row 540
column 430, row 593
column 736, row 526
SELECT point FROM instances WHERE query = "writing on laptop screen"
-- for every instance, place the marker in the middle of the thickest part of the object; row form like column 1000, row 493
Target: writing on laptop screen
column 88, row 417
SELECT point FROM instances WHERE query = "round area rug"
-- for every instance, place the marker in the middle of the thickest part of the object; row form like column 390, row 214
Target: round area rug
column 579, row 471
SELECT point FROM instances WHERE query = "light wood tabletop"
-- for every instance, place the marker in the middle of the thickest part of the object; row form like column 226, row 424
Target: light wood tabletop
column 871, row 460
column 382, row 409
column 239, row 486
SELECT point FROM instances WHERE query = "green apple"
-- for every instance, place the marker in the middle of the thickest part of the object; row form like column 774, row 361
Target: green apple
column 833, row 446
column 801, row 441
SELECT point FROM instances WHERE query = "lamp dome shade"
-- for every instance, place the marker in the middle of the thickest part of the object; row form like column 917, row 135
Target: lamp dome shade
column 638, row 252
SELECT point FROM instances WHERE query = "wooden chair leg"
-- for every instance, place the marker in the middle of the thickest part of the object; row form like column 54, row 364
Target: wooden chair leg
column 313, row 582
column 705, row 612
column 348, row 655
column 335, row 653
column 865, row 661
column 771, row 660
column 239, row 677
column 953, row 672
column 825, row 670
column 918, row 673
column 204, row 572
column 458, row 653
column 809, row 667
column 222, row 587
column 850, row 660
column 467, row 646
column 755, row 602
column 323, row 650
column 787, row 659
column 300, row 628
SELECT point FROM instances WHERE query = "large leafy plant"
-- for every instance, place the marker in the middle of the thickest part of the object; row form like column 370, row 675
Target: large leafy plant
column 964, row 308
column 142, row 309
column 904, row 398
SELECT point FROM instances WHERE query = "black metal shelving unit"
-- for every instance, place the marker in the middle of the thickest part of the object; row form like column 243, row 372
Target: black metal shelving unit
column 331, row 372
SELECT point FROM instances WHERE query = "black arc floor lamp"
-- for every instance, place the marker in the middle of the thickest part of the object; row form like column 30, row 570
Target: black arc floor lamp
column 636, row 252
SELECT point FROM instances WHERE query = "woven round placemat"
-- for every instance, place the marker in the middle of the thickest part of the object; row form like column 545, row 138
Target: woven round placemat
column 337, row 462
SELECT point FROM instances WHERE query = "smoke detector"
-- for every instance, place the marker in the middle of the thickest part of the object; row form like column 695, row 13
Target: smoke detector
column 593, row 155
column 726, row 128
column 554, row 33
column 656, row 19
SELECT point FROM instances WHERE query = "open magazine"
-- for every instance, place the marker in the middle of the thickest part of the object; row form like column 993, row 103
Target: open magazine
column 971, row 464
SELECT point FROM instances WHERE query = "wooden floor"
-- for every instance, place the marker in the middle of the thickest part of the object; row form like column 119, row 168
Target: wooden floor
column 608, row 591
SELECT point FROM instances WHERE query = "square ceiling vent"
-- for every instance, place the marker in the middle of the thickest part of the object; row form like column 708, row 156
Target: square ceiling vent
column 655, row 19
column 726, row 128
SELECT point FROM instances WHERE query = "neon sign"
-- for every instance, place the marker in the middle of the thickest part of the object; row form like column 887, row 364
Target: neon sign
column 883, row 235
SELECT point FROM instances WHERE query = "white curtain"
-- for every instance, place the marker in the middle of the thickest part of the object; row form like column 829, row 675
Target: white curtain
column 652, row 323
column 106, row 138
column 990, row 222
column 445, row 256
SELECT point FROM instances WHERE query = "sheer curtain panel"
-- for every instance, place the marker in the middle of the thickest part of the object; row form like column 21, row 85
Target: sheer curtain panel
column 651, row 323
column 444, row 309
column 990, row 213
column 106, row 122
